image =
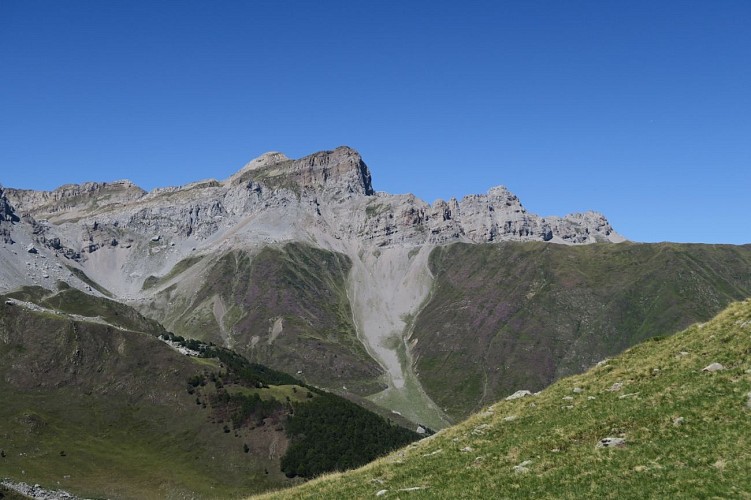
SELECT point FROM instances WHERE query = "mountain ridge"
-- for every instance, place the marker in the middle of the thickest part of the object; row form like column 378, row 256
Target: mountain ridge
column 118, row 239
column 333, row 176
column 427, row 311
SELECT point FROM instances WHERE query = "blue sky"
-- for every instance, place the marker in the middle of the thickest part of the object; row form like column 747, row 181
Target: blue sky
column 638, row 109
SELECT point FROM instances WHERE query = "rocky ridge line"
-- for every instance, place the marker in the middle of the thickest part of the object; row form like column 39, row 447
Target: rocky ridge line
column 330, row 190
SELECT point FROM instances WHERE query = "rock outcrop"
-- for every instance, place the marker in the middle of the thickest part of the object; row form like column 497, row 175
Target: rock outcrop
column 330, row 190
column 7, row 218
column 74, row 198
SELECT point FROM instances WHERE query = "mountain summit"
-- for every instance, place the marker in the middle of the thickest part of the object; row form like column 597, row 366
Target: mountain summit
column 331, row 189
column 338, row 172
column 326, row 272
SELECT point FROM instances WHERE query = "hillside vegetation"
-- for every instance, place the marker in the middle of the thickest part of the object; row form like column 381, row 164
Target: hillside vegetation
column 685, row 431
column 513, row 314
column 104, row 412
column 100, row 410
column 285, row 307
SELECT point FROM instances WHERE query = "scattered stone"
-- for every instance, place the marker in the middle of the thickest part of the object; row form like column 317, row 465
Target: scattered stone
column 714, row 367
column 568, row 398
column 591, row 398
column 510, row 418
column 421, row 430
column 522, row 467
column 629, row 395
column 577, row 390
column 683, row 353
column 602, row 363
column 616, row 387
column 31, row 248
column 37, row 492
column 748, row 403
column 518, row 394
column 8, row 302
column 466, row 449
column 414, row 488
column 480, row 429
column 678, row 421
column 436, row 452
column 568, row 407
column 156, row 238
column 611, row 442
column 380, row 493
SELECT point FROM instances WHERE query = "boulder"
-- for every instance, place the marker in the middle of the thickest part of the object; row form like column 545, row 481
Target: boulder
column 611, row 442
column 714, row 367
column 518, row 394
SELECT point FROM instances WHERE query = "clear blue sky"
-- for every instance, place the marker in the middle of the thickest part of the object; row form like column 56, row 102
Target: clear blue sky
column 638, row 109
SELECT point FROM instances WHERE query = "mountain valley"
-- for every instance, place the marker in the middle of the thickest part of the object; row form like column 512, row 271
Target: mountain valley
column 424, row 313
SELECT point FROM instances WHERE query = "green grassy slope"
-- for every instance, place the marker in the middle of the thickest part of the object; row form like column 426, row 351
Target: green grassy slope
column 687, row 432
column 520, row 315
column 104, row 412
column 300, row 287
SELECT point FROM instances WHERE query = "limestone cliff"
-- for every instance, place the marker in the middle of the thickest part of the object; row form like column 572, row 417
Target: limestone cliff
column 329, row 190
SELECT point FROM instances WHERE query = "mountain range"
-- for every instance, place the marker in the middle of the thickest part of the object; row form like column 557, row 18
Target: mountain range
column 423, row 312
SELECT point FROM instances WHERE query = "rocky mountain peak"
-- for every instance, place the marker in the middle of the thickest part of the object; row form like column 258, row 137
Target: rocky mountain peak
column 338, row 174
column 325, row 197
column 263, row 161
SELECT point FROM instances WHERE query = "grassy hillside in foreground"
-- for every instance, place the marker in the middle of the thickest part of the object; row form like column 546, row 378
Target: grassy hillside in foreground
column 687, row 432
column 520, row 315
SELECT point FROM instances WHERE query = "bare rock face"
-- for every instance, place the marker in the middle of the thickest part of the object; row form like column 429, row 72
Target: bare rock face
column 74, row 198
column 330, row 189
column 7, row 218
column 492, row 217
column 324, row 197
column 333, row 174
